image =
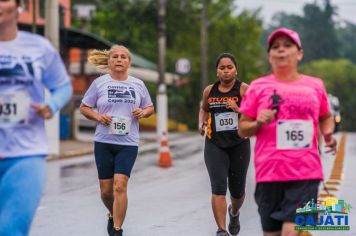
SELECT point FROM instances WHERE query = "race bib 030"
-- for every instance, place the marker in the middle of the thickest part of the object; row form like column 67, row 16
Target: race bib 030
column 226, row 121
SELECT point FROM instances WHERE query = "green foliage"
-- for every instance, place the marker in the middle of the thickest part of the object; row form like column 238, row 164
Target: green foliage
column 340, row 80
column 316, row 28
column 128, row 22
column 347, row 35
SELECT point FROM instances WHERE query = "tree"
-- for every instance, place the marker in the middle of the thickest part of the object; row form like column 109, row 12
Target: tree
column 239, row 35
column 128, row 22
column 316, row 28
column 340, row 80
column 347, row 37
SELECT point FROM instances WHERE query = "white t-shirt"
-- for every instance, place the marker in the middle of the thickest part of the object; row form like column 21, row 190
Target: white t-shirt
column 28, row 64
column 118, row 99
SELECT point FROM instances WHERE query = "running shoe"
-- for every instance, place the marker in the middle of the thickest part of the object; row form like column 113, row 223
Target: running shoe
column 110, row 226
column 222, row 232
column 117, row 232
column 234, row 225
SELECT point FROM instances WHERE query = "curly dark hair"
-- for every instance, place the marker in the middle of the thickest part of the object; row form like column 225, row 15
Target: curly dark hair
column 225, row 55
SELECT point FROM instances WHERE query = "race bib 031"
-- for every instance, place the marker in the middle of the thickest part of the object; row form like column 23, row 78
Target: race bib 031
column 14, row 108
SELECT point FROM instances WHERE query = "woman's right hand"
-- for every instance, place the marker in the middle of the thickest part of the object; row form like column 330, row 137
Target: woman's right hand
column 202, row 128
column 265, row 117
column 104, row 119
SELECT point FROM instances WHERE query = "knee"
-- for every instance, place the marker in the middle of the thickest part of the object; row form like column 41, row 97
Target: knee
column 106, row 195
column 237, row 192
column 120, row 187
column 238, row 195
column 219, row 190
column 237, row 188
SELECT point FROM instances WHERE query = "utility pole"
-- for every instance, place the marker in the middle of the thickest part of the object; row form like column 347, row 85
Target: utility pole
column 162, row 93
column 52, row 22
column 162, row 100
column 52, row 33
column 204, row 45
column 34, row 16
column 204, row 25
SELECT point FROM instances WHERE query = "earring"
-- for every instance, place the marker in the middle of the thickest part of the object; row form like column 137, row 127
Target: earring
column 19, row 10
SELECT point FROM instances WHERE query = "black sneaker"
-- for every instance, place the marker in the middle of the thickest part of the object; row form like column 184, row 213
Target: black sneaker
column 222, row 232
column 117, row 232
column 110, row 226
column 234, row 225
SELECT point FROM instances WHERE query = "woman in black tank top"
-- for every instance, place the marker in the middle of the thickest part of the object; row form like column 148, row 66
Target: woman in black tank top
column 226, row 154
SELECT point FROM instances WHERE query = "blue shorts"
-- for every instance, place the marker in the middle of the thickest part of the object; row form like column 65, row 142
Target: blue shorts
column 114, row 159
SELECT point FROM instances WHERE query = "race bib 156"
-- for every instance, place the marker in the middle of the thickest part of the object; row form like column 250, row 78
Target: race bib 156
column 120, row 125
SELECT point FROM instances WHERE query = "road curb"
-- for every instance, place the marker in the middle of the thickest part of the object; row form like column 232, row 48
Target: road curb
column 148, row 145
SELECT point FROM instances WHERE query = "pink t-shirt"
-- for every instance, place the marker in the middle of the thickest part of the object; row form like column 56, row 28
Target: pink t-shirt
column 287, row 148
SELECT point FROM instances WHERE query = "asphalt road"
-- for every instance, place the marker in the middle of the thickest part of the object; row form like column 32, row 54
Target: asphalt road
column 162, row 201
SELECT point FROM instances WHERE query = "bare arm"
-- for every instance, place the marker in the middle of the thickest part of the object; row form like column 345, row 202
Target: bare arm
column 203, row 117
column 90, row 114
column 327, row 126
column 232, row 104
column 249, row 126
column 203, row 112
column 243, row 88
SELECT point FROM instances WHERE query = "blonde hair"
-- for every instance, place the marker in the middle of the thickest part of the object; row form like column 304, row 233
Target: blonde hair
column 100, row 58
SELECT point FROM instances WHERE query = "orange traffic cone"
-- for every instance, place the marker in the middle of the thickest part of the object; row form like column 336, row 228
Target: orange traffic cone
column 165, row 159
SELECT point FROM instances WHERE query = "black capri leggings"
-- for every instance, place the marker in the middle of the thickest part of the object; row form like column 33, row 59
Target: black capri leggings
column 227, row 165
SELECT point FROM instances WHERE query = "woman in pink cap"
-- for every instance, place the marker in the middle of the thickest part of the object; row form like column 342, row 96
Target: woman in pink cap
column 284, row 110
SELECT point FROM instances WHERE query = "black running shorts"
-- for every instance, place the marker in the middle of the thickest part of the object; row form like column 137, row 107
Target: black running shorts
column 277, row 201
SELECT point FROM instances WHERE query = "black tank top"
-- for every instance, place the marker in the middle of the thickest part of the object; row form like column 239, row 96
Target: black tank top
column 222, row 122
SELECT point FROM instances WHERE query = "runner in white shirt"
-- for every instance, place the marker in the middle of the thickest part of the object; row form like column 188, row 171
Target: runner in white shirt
column 28, row 65
column 121, row 100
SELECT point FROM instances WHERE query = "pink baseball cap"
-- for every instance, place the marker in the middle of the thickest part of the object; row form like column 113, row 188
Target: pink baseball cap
column 287, row 32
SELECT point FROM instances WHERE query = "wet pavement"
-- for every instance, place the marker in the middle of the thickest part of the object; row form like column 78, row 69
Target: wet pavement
column 84, row 146
column 162, row 201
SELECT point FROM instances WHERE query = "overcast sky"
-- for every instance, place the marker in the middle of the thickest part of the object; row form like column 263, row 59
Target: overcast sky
column 346, row 8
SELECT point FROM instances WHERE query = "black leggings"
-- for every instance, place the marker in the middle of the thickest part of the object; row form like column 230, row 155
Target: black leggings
column 227, row 164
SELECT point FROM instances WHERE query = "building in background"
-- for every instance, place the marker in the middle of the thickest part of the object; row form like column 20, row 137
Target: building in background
column 34, row 13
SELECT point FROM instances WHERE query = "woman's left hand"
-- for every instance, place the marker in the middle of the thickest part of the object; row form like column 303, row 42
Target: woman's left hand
column 138, row 113
column 330, row 144
column 42, row 110
column 232, row 105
